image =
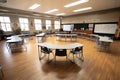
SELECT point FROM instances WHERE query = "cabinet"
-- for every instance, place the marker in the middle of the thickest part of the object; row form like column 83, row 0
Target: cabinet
column 83, row 31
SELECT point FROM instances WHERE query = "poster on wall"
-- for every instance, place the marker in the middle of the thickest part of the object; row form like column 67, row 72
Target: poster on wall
column 90, row 27
column 31, row 23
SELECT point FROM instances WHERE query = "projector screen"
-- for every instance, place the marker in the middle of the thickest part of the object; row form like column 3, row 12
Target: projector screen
column 67, row 27
column 105, row 28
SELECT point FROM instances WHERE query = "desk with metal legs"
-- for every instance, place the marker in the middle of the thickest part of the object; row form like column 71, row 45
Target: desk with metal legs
column 66, row 36
column 54, row 47
column 14, row 40
column 40, row 36
column 105, row 42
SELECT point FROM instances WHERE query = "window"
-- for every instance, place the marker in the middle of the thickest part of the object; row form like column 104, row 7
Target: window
column 5, row 23
column 24, row 24
column 57, row 24
column 38, row 24
column 48, row 24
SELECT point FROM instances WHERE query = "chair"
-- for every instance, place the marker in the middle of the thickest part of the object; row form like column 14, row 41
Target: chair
column 45, row 50
column 22, row 43
column 77, row 50
column 60, row 52
column 97, row 41
column 1, row 71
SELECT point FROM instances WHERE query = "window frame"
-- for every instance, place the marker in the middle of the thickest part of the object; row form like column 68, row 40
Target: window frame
column 24, row 24
column 48, row 25
column 37, row 23
column 5, row 24
column 56, row 24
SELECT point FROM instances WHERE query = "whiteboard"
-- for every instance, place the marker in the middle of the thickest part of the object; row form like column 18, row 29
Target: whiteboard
column 105, row 28
column 68, row 27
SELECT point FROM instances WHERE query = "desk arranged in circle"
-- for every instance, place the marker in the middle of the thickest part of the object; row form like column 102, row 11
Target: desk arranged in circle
column 66, row 36
column 55, row 47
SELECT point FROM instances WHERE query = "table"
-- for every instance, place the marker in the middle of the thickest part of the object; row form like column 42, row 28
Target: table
column 14, row 40
column 93, row 36
column 105, row 42
column 55, row 46
column 40, row 36
column 105, row 39
column 65, row 36
column 82, row 34
column 15, row 37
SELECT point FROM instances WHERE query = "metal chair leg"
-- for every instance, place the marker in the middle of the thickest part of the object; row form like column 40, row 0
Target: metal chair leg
column 66, row 58
column 82, row 57
column 79, row 55
column 48, row 56
column 2, row 73
column 55, row 59
column 39, row 53
column 73, row 58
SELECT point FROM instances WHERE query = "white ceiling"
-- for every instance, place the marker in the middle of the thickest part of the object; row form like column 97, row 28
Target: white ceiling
column 46, row 5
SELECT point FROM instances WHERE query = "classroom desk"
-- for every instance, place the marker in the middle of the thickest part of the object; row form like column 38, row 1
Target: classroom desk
column 14, row 40
column 105, row 42
column 105, row 39
column 82, row 34
column 55, row 46
column 40, row 36
column 66, row 36
column 93, row 35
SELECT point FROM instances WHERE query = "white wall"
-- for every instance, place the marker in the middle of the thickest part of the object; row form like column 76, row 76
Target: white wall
column 94, row 17
column 15, row 20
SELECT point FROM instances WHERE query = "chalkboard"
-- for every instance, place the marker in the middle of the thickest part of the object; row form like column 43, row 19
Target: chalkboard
column 81, row 26
column 105, row 28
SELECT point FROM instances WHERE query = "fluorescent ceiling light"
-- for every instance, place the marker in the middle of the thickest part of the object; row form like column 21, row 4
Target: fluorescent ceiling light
column 34, row 6
column 50, row 11
column 82, row 9
column 60, row 14
column 3, row 10
column 76, row 3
